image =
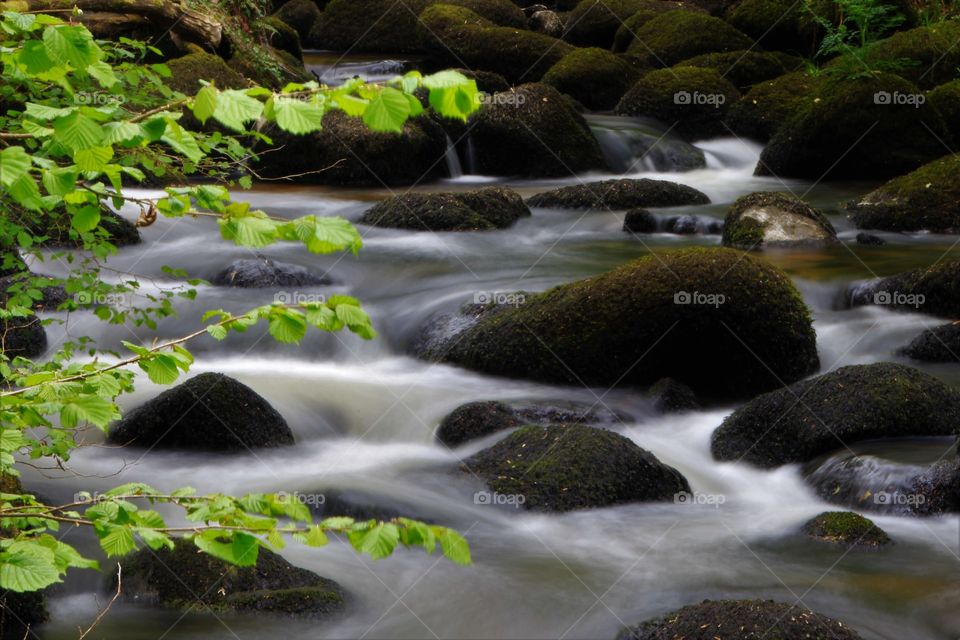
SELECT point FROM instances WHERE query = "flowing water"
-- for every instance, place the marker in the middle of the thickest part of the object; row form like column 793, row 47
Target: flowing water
column 364, row 414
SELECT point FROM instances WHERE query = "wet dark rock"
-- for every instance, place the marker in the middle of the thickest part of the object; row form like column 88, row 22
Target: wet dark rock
column 868, row 239
column 741, row 620
column 567, row 467
column 22, row 337
column 640, row 221
column 774, row 219
column 546, row 22
column 639, row 323
column 631, row 144
column 52, row 295
column 940, row 344
column 934, row 290
column 21, row 614
column 851, row 404
column 209, row 412
column 847, row 529
column 263, row 272
column 670, row 396
column 182, row 579
column 480, row 210
column 624, row 193
column 682, row 225
column 300, row 15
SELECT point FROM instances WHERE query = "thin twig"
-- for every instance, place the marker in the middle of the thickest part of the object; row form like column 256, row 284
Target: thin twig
column 103, row 612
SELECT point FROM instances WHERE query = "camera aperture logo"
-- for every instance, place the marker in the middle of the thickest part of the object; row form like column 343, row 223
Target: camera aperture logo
column 515, row 500
column 695, row 98
column 699, row 298
column 699, row 499
column 915, row 100
column 898, row 499
column 512, row 299
column 899, row 299
column 298, row 298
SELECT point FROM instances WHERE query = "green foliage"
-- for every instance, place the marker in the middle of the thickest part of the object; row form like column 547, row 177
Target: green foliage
column 861, row 24
column 81, row 120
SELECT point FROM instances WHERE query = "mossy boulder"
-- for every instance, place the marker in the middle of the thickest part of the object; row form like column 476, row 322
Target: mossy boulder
column 593, row 24
column 783, row 25
column 480, row 419
column 568, row 467
column 679, row 35
column 622, row 193
column 481, row 210
column 945, row 99
column 533, row 131
column 57, row 229
column 696, row 99
column 852, row 134
column 209, row 412
column 187, row 72
column 21, row 614
column 261, row 272
column 546, row 22
column 744, row 68
column 639, row 323
column 368, row 26
column 767, row 105
column 458, row 36
column 847, row 529
column 267, row 66
column 932, row 49
column 500, row 12
column 283, row 37
column 299, row 15
column 925, row 199
column 940, row 344
column 934, row 290
column 650, row 9
column 347, row 152
column 181, row 579
column 741, row 620
column 594, row 77
column 771, row 219
column 851, row 404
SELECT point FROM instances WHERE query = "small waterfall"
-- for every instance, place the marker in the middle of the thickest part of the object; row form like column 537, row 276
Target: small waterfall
column 471, row 156
column 634, row 145
column 453, row 160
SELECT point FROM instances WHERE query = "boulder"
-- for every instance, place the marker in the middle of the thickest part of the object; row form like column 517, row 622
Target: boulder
column 457, row 36
column 189, row 70
column 652, row 318
column 594, row 77
column 692, row 100
column 859, row 129
column 745, row 68
column 627, row 31
column 869, row 239
column 21, row 613
column 283, row 37
column 22, row 337
column 487, row 81
column 675, row 36
column 260, row 272
column 593, row 23
column 640, row 221
column 347, row 152
column 549, row 23
column 933, row 50
column 51, row 294
column 630, row 145
column 184, row 578
column 481, row 210
column 851, row 404
column 479, row 419
column 567, row 467
column 767, row 105
column 934, row 290
column 59, row 233
column 775, row 219
column 209, row 412
column 945, row 99
column 846, row 529
column 925, row 199
column 300, row 15
column 782, row 25
column 380, row 26
column 532, row 131
column 940, row 344
column 741, row 620
column 624, row 193
column 670, row 396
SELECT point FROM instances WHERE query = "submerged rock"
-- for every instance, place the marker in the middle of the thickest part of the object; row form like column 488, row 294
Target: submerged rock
column 771, row 219
column 940, row 344
column 930, row 290
column 846, row 529
column 651, row 318
column 740, row 620
column 532, row 130
column 567, row 467
column 925, row 199
column 869, row 239
column 185, row 578
column 481, row 210
column 209, row 412
column 851, row 404
column 263, row 272
column 624, row 193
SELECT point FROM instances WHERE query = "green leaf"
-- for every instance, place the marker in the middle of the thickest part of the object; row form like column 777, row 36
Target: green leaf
column 45, row 113
column 242, row 550
column 454, row 546
column 182, row 140
column 218, row 332
column 71, row 45
column 60, row 181
column 117, row 132
column 93, row 159
column 14, row 164
column 324, row 234
column 156, row 540
column 103, row 73
column 352, row 106
column 205, row 103
column 287, row 326
column 27, row 566
column 117, row 541
column 297, row 116
column 86, row 218
column 387, row 111
column 76, row 131
column 92, row 409
column 378, row 541
column 249, row 231
column 315, row 537
column 161, row 369
column 444, row 80
column 235, row 108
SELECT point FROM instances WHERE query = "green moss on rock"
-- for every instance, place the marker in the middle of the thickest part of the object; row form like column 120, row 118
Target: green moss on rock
column 481, row 210
column 282, row 36
column 945, row 99
column 741, row 620
column 568, row 467
column 743, row 68
column 784, row 25
column 925, row 199
column 623, row 193
column 633, row 326
column 694, row 98
column 933, row 50
column 593, row 23
column 770, row 218
column 627, row 31
column 847, row 529
column 533, row 131
column 767, row 105
column 300, row 16
column 457, row 36
column 851, row 134
column 594, row 77
column 851, row 404
column 188, row 71
column 679, row 35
